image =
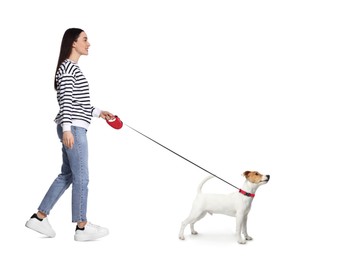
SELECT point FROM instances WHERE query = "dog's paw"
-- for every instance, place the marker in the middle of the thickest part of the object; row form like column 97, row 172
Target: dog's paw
column 181, row 237
column 194, row 233
column 242, row 242
column 249, row 238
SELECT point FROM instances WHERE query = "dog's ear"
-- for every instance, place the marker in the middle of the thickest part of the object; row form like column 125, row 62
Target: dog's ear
column 246, row 173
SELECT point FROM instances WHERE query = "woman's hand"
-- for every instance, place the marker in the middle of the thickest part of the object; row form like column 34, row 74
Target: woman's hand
column 68, row 139
column 106, row 115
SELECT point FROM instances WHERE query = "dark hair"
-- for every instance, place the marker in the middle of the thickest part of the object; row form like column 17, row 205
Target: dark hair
column 70, row 36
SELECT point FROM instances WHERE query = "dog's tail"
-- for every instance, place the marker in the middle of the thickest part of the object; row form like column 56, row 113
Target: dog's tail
column 199, row 189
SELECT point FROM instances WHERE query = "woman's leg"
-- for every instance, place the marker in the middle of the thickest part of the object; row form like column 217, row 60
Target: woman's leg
column 78, row 161
column 38, row 221
column 59, row 185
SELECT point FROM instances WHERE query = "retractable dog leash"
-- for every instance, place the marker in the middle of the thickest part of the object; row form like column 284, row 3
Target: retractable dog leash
column 116, row 123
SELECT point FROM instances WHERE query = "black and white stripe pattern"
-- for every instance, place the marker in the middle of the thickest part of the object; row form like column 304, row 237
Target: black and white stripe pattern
column 73, row 96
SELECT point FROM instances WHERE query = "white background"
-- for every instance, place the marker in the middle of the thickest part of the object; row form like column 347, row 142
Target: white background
column 230, row 85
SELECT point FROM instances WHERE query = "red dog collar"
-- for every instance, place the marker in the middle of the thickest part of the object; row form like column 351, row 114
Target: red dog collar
column 247, row 193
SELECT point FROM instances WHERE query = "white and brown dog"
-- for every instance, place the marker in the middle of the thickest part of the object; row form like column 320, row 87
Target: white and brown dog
column 237, row 204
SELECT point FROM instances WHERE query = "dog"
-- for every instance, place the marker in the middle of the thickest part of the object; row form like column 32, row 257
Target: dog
column 237, row 204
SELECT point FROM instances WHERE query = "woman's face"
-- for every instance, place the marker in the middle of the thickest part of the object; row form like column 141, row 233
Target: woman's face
column 81, row 45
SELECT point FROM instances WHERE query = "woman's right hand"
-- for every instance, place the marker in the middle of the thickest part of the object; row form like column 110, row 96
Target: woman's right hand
column 68, row 139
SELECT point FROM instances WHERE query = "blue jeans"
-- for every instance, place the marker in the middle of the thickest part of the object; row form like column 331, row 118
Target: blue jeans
column 74, row 171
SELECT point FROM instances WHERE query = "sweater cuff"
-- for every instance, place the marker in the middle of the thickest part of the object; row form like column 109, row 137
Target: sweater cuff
column 66, row 127
column 96, row 112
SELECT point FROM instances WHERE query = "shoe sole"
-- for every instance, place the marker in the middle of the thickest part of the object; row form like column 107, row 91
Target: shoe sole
column 89, row 238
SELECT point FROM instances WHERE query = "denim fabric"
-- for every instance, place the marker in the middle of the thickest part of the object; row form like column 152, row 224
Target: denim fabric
column 74, row 171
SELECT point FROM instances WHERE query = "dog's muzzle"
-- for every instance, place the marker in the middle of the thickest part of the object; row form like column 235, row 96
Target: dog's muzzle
column 267, row 180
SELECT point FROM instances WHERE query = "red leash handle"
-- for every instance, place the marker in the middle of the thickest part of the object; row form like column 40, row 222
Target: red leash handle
column 115, row 122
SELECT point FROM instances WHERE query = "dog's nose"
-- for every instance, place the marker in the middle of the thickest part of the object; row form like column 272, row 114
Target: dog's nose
column 268, row 177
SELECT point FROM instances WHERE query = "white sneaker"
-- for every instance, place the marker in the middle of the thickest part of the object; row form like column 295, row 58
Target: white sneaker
column 90, row 232
column 40, row 225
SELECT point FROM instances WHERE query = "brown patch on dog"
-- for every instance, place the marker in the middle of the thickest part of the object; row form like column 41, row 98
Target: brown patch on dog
column 253, row 176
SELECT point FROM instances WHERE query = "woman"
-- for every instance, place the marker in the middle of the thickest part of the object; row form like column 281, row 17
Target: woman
column 72, row 121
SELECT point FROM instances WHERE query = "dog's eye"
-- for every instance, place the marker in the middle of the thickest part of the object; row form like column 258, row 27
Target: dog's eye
column 256, row 173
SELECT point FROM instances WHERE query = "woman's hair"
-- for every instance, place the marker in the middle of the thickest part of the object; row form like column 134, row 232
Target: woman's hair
column 70, row 36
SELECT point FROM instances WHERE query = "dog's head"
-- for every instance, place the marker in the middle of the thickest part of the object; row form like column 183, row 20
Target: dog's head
column 256, row 178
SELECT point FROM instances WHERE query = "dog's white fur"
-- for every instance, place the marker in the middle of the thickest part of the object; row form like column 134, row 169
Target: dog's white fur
column 235, row 205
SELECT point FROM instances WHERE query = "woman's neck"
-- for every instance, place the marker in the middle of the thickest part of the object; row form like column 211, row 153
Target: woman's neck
column 74, row 58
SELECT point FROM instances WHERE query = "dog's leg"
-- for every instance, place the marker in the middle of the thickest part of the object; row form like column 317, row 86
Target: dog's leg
column 239, row 227
column 183, row 226
column 246, row 236
column 192, row 218
column 194, row 232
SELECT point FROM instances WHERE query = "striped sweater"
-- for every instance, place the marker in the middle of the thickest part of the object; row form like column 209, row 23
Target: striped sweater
column 73, row 96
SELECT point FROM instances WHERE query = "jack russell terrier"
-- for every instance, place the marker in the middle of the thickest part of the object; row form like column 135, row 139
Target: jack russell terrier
column 237, row 204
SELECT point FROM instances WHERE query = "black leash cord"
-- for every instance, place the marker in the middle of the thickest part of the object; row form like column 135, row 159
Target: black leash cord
column 181, row 156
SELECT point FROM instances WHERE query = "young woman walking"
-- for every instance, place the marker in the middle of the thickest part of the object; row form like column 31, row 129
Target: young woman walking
column 73, row 121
